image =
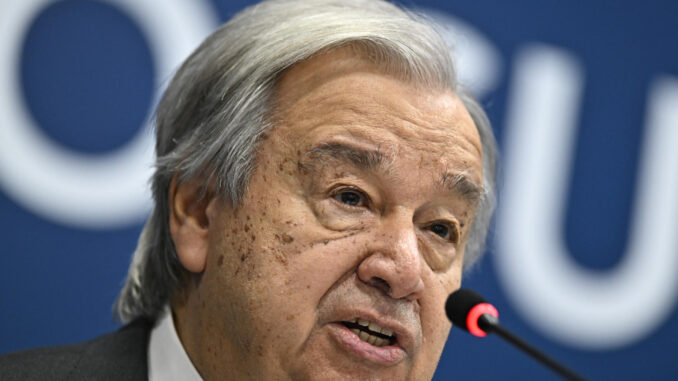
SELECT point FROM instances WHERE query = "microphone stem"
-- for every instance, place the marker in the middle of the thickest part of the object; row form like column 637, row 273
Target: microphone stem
column 489, row 323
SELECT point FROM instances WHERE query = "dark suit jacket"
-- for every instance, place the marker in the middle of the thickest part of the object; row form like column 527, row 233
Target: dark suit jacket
column 117, row 356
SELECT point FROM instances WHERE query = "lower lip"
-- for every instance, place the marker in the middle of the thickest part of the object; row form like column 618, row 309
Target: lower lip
column 387, row 355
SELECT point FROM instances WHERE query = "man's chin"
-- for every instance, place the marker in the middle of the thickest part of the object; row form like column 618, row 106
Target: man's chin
column 350, row 371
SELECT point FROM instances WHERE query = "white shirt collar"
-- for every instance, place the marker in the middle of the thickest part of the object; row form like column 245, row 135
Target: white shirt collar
column 167, row 359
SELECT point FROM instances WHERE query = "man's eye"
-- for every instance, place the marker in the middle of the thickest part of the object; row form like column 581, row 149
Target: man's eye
column 350, row 197
column 445, row 231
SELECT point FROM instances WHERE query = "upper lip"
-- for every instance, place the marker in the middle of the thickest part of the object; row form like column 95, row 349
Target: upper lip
column 405, row 337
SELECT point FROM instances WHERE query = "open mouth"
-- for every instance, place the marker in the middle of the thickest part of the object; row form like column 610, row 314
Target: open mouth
column 370, row 332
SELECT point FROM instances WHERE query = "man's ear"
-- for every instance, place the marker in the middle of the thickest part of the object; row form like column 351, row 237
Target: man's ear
column 189, row 223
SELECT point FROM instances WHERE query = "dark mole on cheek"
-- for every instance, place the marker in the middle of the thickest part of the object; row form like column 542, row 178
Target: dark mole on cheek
column 221, row 260
column 326, row 241
column 287, row 238
column 280, row 257
column 243, row 257
column 247, row 228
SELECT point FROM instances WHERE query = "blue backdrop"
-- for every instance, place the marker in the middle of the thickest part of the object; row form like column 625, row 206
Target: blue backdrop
column 583, row 98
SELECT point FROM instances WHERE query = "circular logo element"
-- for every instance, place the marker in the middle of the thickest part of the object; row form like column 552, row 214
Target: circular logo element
column 84, row 190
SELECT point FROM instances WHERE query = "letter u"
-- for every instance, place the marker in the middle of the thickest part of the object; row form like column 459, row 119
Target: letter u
column 562, row 299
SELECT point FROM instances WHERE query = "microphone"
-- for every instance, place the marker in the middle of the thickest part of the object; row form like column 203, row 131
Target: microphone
column 470, row 311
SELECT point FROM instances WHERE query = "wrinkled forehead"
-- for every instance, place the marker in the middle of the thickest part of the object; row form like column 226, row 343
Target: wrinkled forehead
column 340, row 94
column 323, row 79
column 350, row 58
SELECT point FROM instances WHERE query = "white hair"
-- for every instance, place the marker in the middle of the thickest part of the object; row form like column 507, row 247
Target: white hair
column 216, row 110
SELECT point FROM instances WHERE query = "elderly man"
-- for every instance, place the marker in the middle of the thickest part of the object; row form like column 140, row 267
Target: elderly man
column 322, row 180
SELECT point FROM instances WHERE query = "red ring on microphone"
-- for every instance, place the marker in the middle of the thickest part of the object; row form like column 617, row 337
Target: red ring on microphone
column 475, row 313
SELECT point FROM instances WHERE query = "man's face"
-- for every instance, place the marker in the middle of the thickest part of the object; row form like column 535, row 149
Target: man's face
column 358, row 211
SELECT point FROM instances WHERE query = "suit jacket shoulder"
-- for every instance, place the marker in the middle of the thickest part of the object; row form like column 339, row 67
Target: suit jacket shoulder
column 116, row 356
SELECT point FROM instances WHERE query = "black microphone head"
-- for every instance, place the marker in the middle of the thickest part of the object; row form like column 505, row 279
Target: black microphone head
column 458, row 305
column 464, row 307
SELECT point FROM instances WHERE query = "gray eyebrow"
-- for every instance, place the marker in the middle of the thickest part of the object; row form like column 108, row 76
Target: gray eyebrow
column 456, row 183
column 361, row 158
column 460, row 184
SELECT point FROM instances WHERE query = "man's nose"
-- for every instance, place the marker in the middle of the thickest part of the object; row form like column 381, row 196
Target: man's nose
column 394, row 263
